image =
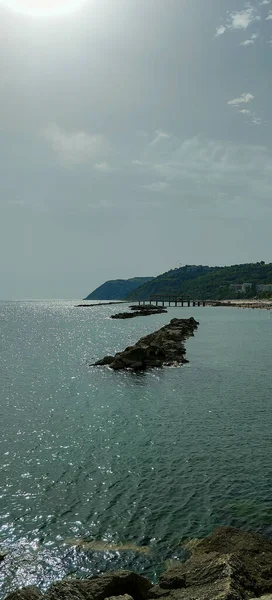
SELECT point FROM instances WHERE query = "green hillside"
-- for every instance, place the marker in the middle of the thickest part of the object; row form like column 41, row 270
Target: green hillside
column 207, row 283
column 117, row 289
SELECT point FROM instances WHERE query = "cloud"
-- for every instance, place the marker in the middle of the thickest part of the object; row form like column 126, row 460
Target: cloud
column 197, row 168
column 220, row 30
column 103, row 167
column 243, row 99
column 76, row 147
column 243, row 18
column 239, row 20
column 250, row 41
column 160, row 136
column 157, row 186
column 265, row 2
column 269, row 18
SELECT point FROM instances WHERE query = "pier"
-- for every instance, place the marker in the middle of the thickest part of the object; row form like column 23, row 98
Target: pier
column 172, row 300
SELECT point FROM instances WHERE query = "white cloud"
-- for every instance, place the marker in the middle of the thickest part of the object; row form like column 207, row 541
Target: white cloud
column 103, row 167
column 160, row 136
column 220, row 30
column 76, row 147
column 196, row 167
column 243, row 18
column 269, row 18
column 240, row 20
column 157, row 186
column 243, row 99
column 264, row 2
column 250, row 41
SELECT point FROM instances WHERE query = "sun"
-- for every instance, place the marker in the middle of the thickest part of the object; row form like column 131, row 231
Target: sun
column 42, row 8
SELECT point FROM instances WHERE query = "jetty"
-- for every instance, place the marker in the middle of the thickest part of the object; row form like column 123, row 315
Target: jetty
column 172, row 300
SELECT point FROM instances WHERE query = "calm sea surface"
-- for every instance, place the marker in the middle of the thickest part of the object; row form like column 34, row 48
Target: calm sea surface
column 91, row 458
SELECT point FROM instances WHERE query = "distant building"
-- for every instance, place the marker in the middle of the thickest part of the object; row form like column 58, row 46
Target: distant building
column 267, row 287
column 246, row 286
column 241, row 287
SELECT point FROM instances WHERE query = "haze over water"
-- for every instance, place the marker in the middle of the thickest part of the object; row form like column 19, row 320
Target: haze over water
column 143, row 459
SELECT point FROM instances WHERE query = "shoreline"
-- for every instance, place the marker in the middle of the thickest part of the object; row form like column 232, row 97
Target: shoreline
column 229, row 563
column 253, row 304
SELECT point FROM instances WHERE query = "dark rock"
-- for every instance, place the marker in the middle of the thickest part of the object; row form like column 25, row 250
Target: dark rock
column 107, row 360
column 140, row 311
column 125, row 597
column 98, row 304
column 116, row 583
column 28, row 593
column 163, row 347
column 2, row 555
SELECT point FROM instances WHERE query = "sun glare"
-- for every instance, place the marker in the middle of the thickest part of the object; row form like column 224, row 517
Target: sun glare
column 42, row 8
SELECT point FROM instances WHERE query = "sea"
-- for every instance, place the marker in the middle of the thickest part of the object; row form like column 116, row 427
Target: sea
column 103, row 470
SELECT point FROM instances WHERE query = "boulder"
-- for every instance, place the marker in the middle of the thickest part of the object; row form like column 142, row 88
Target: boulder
column 230, row 564
column 118, row 583
column 27, row 593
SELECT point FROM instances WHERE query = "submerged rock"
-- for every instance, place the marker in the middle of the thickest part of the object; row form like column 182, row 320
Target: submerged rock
column 163, row 347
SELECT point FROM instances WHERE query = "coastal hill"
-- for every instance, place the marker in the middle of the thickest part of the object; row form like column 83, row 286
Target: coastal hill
column 194, row 281
column 117, row 289
column 211, row 283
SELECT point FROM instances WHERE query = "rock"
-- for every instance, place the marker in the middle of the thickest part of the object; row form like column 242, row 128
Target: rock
column 163, row 347
column 27, row 593
column 228, row 565
column 2, row 555
column 140, row 311
column 107, row 360
column 254, row 550
column 206, row 577
column 117, row 583
column 125, row 597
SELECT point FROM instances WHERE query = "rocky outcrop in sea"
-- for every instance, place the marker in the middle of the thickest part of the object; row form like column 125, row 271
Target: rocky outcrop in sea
column 230, row 564
column 164, row 347
column 143, row 310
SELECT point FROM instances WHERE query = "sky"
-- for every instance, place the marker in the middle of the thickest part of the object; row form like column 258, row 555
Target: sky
column 136, row 137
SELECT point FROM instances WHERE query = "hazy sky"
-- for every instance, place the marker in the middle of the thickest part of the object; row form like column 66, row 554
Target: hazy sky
column 136, row 135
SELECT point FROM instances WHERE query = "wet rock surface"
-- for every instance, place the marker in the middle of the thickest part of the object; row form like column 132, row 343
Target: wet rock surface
column 164, row 347
column 230, row 564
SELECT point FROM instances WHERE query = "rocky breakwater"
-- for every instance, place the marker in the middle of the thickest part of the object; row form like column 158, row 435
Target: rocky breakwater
column 140, row 311
column 230, row 564
column 164, row 347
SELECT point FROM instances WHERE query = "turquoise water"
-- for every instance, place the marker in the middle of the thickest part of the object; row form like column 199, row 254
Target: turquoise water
column 148, row 459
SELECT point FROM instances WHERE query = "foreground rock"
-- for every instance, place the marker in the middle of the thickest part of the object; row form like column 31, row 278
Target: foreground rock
column 118, row 583
column 164, row 347
column 140, row 311
column 230, row 564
